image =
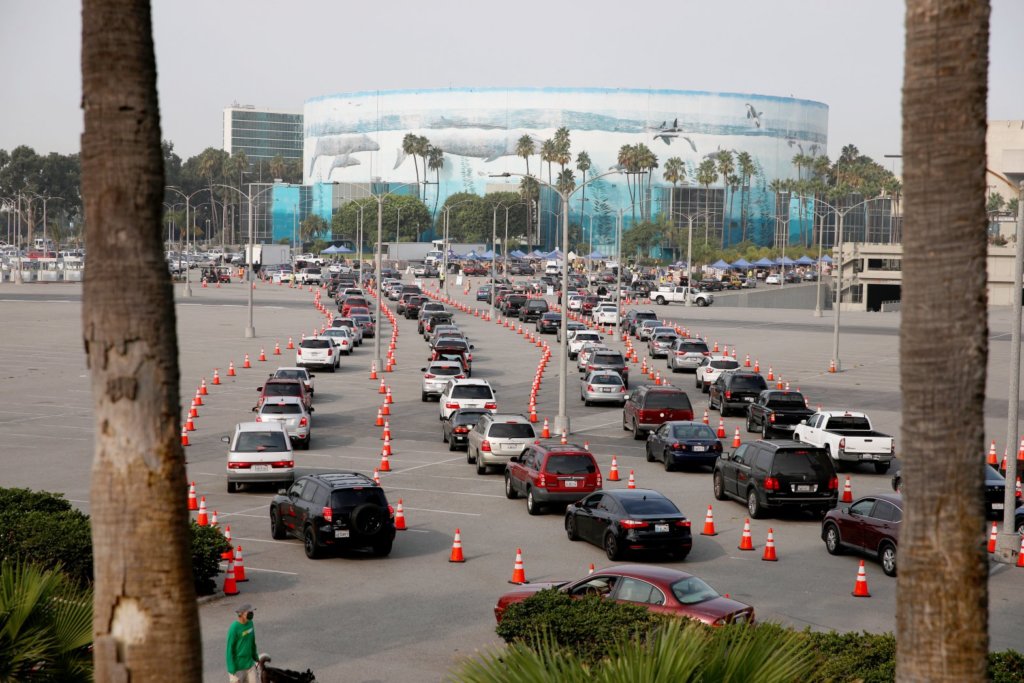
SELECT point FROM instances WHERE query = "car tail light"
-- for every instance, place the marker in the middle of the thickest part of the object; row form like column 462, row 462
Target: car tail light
column 708, row 371
column 330, row 352
column 452, row 406
column 622, row 388
column 705, row 353
column 485, row 446
column 259, row 419
column 469, row 358
column 892, row 448
column 842, row 444
column 328, row 514
column 590, row 366
column 298, row 351
column 460, row 377
column 303, row 422
column 771, row 484
column 599, row 480
column 491, row 406
column 771, row 417
column 283, row 463
column 833, row 484
column 542, row 482
column 239, row 465
column 429, row 376
column 461, row 430
column 590, row 387
column 728, row 394
column 685, row 523
column 677, row 446
column 633, row 524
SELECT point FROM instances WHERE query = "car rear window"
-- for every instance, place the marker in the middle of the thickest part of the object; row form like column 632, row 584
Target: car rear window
column 343, row 323
column 451, row 346
column 797, row 462
column 646, row 316
column 724, row 364
column 694, row 347
column 608, row 359
column 664, row 337
column 673, row 400
column 446, row 370
column 273, row 389
column 501, row 430
column 347, row 499
column 787, row 401
column 281, row 409
column 693, row 590
column 257, row 442
column 570, row 464
column 290, row 374
column 848, row 423
column 472, row 391
column 748, row 383
column 606, row 379
column 470, row 418
column 315, row 344
column 649, row 506
column 516, row 299
column 693, row 431
column 587, row 336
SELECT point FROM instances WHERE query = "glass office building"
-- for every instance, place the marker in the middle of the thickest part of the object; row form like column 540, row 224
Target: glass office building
column 262, row 133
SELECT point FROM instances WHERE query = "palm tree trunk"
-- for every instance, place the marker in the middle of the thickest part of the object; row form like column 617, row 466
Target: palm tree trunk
column 145, row 616
column 942, row 588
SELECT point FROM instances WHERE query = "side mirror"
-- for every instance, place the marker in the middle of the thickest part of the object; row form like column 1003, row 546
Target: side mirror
column 311, row 375
column 423, row 369
column 254, row 409
column 515, row 458
column 226, row 439
column 471, row 347
column 282, row 492
column 803, row 422
column 259, row 388
column 312, row 409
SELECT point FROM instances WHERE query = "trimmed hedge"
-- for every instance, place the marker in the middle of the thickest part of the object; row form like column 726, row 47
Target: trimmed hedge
column 207, row 545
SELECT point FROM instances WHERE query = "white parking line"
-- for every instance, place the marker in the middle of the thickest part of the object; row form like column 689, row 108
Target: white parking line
column 448, row 493
column 429, row 464
column 444, row 512
column 258, row 569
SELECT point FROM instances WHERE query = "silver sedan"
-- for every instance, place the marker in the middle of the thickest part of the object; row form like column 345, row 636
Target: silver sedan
column 602, row 386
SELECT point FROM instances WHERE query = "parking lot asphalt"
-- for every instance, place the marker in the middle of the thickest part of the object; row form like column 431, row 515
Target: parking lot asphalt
column 413, row 615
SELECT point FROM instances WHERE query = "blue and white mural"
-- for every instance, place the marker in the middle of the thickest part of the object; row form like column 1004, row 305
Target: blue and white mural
column 356, row 137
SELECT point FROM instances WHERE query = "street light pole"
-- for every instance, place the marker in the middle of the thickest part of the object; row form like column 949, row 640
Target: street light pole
column 618, row 276
column 1009, row 539
column 494, row 256
column 376, row 274
column 250, row 331
column 839, row 292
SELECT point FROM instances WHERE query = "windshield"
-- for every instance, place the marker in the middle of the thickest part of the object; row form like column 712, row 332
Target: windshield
column 472, row 391
column 511, row 431
column 570, row 464
column 468, row 418
column 290, row 374
column 648, row 506
column 692, row 590
column 693, row 431
column 257, row 442
column 281, row 409
column 673, row 400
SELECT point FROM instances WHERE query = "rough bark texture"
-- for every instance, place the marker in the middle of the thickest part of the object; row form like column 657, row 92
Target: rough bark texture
column 941, row 615
column 145, row 617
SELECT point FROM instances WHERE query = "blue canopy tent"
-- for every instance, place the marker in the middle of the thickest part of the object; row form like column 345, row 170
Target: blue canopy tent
column 556, row 255
column 720, row 265
column 805, row 260
column 764, row 263
column 331, row 250
column 471, row 256
column 536, row 253
column 517, row 254
column 741, row 263
column 826, row 259
column 786, row 261
column 595, row 254
column 487, row 255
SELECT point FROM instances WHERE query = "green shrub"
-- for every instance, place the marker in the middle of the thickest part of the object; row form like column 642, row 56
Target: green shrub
column 1006, row 666
column 43, row 528
column 588, row 626
column 207, row 545
column 866, row 657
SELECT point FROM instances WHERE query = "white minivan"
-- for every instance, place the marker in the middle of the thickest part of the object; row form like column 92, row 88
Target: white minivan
column 260, row 453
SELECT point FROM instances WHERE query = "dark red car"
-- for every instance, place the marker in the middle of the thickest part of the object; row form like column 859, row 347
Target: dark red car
column 275, row 388
column 551, row 473
column 353, row 302
column 588, row 304
column 659, row 589
column 648, row 407
column 870, row 525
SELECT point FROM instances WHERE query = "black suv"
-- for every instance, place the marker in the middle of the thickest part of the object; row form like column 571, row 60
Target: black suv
column 735, row 390
column 532, row 309
column 511, row 304
column 334, row 510
column 635, row 317
column 777, row 474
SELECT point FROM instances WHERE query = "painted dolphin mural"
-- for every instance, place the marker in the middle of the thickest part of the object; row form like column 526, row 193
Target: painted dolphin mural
column 485, row 144
column 341, row 145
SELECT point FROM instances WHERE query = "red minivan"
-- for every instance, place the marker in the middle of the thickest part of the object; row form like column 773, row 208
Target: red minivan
column 551, row 473
column 648, row 407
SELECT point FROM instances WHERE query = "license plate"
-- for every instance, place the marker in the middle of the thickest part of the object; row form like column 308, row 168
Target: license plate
column 661, row 528
column 511, row 447
column 571, row 484
column 699, row 448
column 261, row 468
column 606, row 390
column 749, row 399
column 341, row 533
column 805, row 488
column 997, row 506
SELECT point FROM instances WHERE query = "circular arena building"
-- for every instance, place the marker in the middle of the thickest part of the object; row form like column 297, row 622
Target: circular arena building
column 357, row 138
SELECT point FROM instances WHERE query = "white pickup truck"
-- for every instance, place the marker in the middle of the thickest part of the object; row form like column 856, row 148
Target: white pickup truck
column 667, row 295
column 848, row 437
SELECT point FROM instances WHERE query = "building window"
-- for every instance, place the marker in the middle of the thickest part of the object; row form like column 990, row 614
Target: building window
column 889, row 264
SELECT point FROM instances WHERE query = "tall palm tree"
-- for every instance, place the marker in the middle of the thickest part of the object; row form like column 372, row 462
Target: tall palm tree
column 235, row 168
column 435, row 162
column 707, row 175
column 627, row 160
column 583, row 165
column 422, row 147
column 410, row 146
column 646, row 161
column 548, row 154
column 278, row 167
column 211, row 168
column 726, row 167
column 526, row 149
column 144, row 608
column 563, row 147
column 942, row 634
column 675, row 172
column 528, row 189
column 745, row 165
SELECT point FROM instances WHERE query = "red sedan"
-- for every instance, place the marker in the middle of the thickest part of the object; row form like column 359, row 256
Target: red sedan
column 660, row 589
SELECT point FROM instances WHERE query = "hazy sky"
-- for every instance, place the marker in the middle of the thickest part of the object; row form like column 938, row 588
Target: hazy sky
column 211, row 53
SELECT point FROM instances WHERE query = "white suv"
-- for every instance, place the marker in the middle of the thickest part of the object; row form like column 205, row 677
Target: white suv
column 260, row 453
column 437, row 375
column 293, row 414
column 605, row 314
column 496, row 438
column 319, row 352
column 467, row 393
column 582, row 337
column 710, row 368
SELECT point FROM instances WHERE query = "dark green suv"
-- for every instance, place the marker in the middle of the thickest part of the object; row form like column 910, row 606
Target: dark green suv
column 334, row 510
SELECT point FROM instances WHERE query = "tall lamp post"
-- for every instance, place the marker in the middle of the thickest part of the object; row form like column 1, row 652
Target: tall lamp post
column 504, row 245
column 446, row 216
column 186, row 289
column 250, row 330
column 562, row 419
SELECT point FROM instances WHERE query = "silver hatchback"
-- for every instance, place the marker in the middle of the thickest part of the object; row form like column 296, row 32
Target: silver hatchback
column 603, row 386
column 496, row 438
column 292, row 414
column 687, row 354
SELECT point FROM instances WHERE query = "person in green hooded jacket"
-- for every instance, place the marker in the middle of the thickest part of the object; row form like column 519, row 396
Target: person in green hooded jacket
column 241, row 647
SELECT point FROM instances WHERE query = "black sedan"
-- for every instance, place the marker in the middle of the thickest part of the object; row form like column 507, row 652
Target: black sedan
column 455, row 428
column 683, row 443
column 624, row 520
column 548, row 323
column 995, row 487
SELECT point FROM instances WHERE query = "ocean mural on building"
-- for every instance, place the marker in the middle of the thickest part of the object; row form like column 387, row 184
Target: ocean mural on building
column 357, row 137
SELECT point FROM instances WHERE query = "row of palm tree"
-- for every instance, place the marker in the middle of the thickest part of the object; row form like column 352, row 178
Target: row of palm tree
column 432, row 156
column 638, row 161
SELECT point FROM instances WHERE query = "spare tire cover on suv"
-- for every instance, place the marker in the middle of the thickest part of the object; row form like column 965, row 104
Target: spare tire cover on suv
column 368, row 519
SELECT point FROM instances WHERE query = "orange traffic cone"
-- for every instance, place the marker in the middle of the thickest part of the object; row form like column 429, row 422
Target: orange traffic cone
column 277, row 349
column 715, row 350
column 190, row 425
column 706, row 419
column 291, row 344
column 746, row 540
column 227, row 554
column 591, row 570
column 400, row 517
column 202, row 388
column 201, row 518
column 192, row 412
column 231, row 368
column 992, row 455
column 1020, row 553
column 263, row 356
column 992, row 538
column 533, row 412
column 721, row 428
column 860, row 589
column 216, row 377
column 771, row 375
column 746, row 361
column 847, row 491
column 230, row 587
column 192, row 504
column 643, row 367
column 518, row 571
column 380, row 419
column 832, row 366
column 586, row 445
column 387, row 448
column 376, row 476
column 631, row 483
column 184, row 436
column 383, row 388
column 757, row 366
column 385, row 464
column 709, row 524
column 769, row 548
column 545, row 433
column 239, row 566
column 613, row 472
column 564, row 439
column 385, row 409
column 199, row 397
column 387, row 396
column 373, row 370
column 736, row 438
column 1002, row 464
column 456, row 555
column 246, row 364
column 386, row 434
